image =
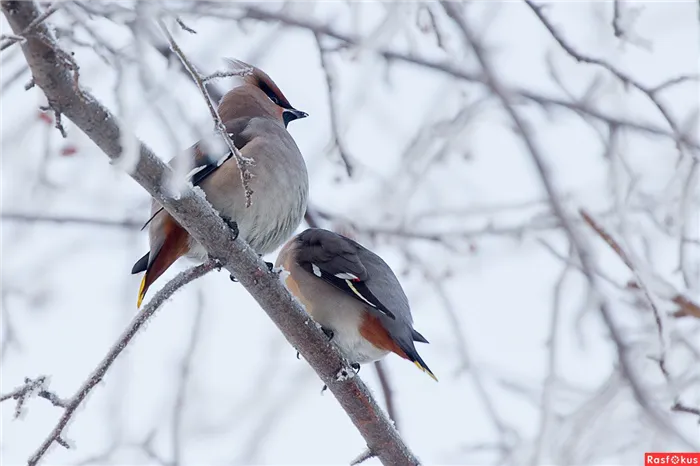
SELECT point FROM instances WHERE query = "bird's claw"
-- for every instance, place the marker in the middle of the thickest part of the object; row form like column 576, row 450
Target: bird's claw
column 356, row 367
column 298, row 356
column 218, row 265
column 329, row 333
column 270, row 266
column 325, row 387
column 233, row 279
column 232, row 225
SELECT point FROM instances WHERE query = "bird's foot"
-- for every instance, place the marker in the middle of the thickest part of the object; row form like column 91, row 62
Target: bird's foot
column 232, row 225
column 298, row 355
column 218, row 265
column 233, row 279
column 329, row 333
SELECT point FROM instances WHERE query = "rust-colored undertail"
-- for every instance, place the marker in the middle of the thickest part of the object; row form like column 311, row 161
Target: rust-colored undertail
column 175, row 245
column 373, row 330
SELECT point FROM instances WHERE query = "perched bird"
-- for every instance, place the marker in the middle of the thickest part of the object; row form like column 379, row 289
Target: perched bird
column 256, row 115
column 353, row 294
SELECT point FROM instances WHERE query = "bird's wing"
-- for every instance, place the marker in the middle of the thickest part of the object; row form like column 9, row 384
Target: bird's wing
column 204, row 162
column 335, row 260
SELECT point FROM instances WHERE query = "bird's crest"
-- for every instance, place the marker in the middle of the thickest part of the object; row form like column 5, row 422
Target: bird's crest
column 258, row 78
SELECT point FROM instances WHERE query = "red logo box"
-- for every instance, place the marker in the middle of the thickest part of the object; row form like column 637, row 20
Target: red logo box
column 651, row 459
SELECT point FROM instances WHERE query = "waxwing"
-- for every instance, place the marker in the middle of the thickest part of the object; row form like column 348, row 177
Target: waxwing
column 353, row 294
column 256, row 115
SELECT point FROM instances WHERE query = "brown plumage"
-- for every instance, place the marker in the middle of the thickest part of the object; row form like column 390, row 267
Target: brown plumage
column 353, row 294
column 374, row 332
column 255, row 115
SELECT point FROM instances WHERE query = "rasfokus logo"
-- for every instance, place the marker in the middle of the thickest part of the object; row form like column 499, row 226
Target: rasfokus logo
column 671, row 458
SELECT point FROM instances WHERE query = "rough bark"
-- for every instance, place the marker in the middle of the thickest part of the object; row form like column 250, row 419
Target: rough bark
column 53, row 74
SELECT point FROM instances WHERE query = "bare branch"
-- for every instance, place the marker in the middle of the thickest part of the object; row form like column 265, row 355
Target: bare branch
column 243, row 162
column 626, row 79
column 335, row 127
column 18, row 37
column 362, row 457
column 686, row 307
column 98, row 222
column 205, row 226
column 184, row 26
column 615, row 246
column 460, row 73
column 617, row 29
column 552, row 361
column 528, row 139
column 183, row 381
column 32, row 387
column 680, row 408
column 388, row 392
column 72, row 404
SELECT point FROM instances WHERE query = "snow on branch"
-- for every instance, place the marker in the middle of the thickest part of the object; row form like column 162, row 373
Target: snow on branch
column 243, row 163
column 39, row 387
column 202, row 222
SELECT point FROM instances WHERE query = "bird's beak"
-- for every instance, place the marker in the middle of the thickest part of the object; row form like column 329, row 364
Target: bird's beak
column 299, row 113
column 291, row 114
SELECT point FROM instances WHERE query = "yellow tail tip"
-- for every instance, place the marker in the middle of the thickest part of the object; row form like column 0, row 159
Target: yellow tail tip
column 142, row 292
column 426, row 370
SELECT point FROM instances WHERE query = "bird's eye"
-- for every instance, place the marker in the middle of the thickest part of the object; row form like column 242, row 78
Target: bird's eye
column 270, row 93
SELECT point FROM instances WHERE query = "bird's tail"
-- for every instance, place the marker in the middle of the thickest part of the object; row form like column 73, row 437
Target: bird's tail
column 421, row 365
column 412, row 355
column 174, row 246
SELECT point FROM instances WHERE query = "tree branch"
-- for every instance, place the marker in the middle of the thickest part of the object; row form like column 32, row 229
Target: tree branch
column 243, row 163
column 33, row 387
column 70, row 405
column 21, row 36
column 203, row 223
column 587, row 265
column 69, row 220
column 335, row 127
column 543, row 100
column 624, row 78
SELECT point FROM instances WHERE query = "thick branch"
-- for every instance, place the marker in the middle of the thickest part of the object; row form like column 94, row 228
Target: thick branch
column 201, row 221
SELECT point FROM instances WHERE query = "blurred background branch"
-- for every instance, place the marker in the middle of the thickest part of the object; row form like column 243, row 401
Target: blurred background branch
column 445, row 186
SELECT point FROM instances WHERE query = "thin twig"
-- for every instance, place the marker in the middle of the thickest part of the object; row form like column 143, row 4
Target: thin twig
column 528, row 139
column 615, row 246
column 32, row 387
column 243, row 162
column 72, row 403
column 680, row 408
column 551, row 379
column 183, row 381
column 68, row 220
column 38, row 20
column 362, row 457
column 459, row 72
column 335, row 127
column 617, row 29
column 624, row 78
column 388, row 392
column 184, row 26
